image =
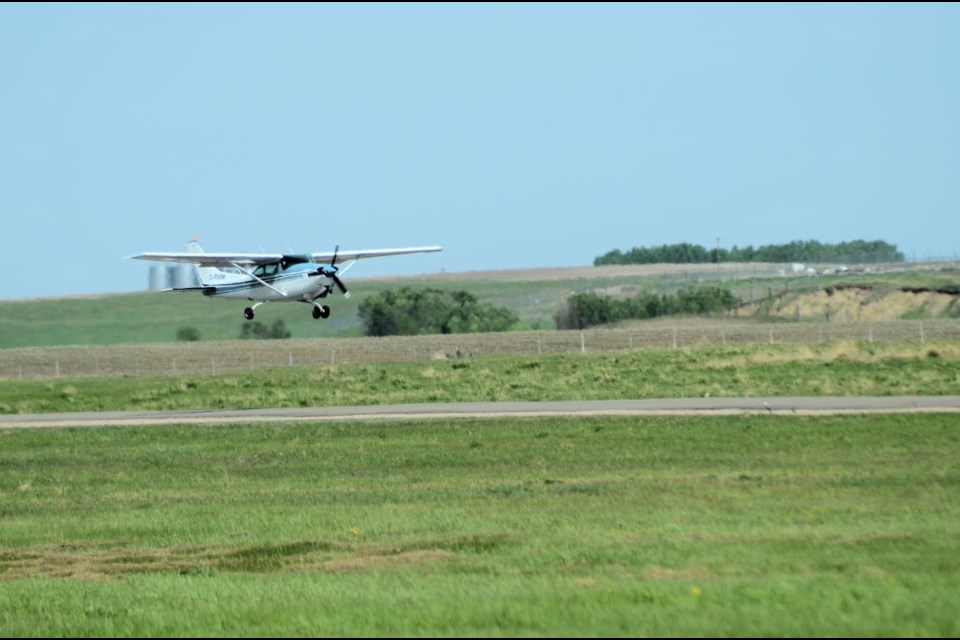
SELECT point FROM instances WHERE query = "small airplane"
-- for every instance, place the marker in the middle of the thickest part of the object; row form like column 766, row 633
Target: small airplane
column 272, row 277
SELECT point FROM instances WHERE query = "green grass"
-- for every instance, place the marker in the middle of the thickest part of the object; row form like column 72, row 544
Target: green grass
column 156, row 317
column 746, row 526
column 843, row 369
column 761, row 288
column 742, row 526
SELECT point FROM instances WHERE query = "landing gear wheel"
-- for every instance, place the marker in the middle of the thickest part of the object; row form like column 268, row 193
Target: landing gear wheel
column 248, row 313
column 323, row 311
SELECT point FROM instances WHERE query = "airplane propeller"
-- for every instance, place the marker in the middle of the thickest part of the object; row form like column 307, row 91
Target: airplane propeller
column 331, row 272
column 340, row 285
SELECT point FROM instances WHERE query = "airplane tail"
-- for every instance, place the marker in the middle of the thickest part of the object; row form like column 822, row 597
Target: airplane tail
column 206, row 276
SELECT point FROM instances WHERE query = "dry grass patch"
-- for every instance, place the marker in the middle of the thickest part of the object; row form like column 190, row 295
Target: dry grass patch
column 862, row 305
column 842, row 351
column 91, row 561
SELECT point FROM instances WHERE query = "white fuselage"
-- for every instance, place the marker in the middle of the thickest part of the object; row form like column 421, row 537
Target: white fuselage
column 297, row 282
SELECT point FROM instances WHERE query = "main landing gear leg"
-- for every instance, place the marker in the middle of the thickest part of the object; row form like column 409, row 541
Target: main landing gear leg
column 248, row 312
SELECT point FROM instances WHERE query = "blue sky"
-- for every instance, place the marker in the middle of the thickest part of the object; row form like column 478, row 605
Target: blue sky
column 514, row 135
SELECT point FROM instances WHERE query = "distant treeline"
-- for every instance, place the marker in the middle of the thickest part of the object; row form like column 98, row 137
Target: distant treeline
column 589, row 309
column 857, row 251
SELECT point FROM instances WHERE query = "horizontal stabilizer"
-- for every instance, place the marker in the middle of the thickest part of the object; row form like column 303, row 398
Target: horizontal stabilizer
column 207, row 291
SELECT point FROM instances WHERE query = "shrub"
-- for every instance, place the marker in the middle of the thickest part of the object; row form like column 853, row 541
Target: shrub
column 259, row 331
column 188, row 334
column 589, row 309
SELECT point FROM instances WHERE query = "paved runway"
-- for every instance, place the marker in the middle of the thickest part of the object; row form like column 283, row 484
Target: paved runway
column 675, row 406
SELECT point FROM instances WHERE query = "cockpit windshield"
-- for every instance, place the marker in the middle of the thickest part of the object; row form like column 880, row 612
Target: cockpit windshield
column 288, row 261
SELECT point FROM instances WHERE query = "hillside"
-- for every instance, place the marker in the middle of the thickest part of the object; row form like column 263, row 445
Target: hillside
column 535, row 295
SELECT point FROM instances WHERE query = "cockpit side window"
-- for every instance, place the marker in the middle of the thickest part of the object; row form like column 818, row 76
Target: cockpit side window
column 266, row 269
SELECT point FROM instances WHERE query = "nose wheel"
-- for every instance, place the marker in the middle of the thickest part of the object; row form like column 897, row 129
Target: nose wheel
column 322, row 311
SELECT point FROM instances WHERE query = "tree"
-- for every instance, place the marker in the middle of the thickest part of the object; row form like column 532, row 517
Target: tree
column 413, row 311
column 796, row 251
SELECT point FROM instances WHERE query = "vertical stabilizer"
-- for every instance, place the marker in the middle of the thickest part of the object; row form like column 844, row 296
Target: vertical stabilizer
column 205, row 275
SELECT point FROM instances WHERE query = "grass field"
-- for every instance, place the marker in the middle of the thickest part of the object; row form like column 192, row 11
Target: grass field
column 535, row 295
column 761, row 525
column 155, row 317
column 745, row 526
column 841, row 369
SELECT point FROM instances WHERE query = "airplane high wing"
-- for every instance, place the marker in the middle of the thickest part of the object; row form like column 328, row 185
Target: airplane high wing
column 205, row 259
column 266, row 277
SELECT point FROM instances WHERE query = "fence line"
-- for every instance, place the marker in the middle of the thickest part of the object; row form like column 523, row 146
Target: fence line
column 249, row 355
